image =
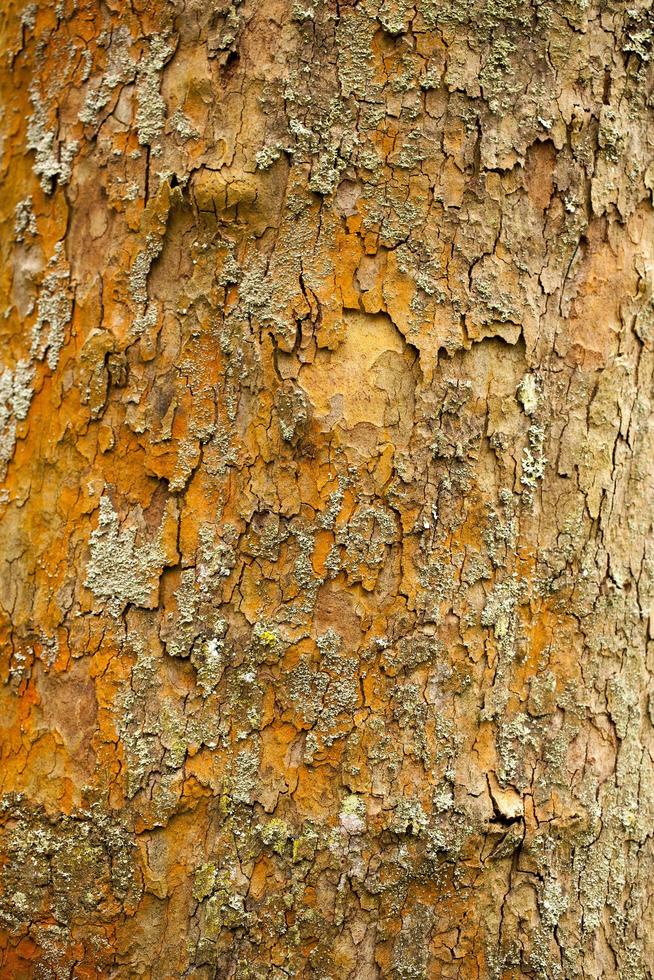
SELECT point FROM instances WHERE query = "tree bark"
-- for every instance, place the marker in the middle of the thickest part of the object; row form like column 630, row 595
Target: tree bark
column 326, row 553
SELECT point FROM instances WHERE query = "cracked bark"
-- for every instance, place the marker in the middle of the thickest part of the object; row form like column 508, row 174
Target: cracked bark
column 326, row 550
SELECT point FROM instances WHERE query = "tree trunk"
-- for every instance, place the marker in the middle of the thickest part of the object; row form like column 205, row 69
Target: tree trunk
column 326, row 524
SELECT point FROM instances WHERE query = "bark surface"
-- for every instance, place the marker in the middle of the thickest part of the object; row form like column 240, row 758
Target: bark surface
column 326, row 552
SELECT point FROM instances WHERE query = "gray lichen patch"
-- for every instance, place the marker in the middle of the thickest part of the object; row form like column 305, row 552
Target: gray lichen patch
column 63, row 867
column 533, row 460
column 119, row 570
column 54, row 310
column 53, row 158
column 28, row 16
column 529, row 393
column 151, row 111
column 16, row 394
column 209, row 657
column 24, row 219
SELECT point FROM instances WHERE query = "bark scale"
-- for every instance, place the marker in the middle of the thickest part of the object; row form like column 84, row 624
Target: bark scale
column 326, row 525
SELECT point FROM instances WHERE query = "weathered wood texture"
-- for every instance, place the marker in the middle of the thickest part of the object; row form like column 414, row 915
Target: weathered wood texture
column 326, row 552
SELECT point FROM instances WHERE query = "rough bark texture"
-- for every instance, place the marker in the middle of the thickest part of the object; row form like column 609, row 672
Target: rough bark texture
column 326, row 531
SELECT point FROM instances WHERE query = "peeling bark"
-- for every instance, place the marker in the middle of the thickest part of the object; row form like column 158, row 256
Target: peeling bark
column 326, row 553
